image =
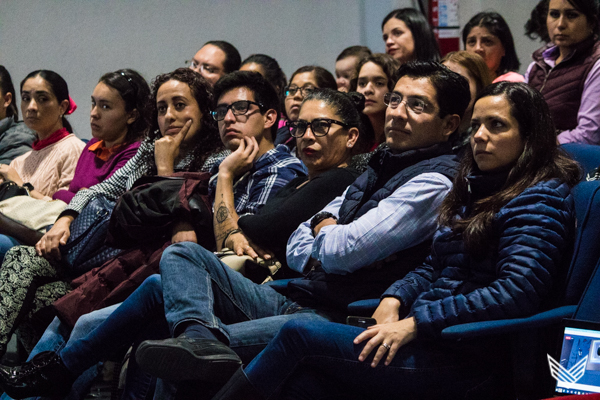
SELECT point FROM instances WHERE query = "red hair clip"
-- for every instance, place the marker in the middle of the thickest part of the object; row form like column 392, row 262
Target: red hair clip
column 72, row 106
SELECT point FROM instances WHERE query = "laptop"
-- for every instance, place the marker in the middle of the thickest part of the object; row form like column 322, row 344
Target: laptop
column 578, row 369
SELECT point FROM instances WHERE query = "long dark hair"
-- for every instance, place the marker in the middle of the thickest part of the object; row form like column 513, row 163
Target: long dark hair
column 135, row 92
column 425, row 45
column 498, row 27
column 58, row 86
column 541, row 160
column 6, row 86
column 535, row 27
column 208, row 141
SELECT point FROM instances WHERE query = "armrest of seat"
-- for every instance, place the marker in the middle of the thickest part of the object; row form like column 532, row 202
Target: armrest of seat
column 363, row 308
column 280, row 285
column 477, row 329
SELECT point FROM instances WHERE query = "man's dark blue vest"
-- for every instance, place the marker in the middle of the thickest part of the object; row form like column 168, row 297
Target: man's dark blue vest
column 386, row 173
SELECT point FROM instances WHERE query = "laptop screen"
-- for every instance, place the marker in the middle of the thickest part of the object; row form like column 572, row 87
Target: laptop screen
column 578, row 370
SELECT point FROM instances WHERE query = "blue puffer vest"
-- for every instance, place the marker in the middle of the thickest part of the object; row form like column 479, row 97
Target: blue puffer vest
column 385, row 174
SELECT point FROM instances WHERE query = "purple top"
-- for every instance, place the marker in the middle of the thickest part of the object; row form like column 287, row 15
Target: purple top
column 91, row 170
column 588, row 117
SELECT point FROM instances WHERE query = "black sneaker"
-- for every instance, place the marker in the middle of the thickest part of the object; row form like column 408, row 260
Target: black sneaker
column 185, row 359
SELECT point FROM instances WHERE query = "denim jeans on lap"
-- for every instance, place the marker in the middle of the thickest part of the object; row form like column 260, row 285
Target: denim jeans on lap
column 7, row 243
column 313, row 360
column 198, row 287
column 119, row 330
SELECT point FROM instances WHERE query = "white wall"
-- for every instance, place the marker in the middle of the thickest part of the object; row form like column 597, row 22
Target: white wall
column 81, row 40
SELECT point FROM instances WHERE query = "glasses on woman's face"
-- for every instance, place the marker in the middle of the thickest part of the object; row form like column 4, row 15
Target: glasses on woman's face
column 292, row 90
column 238, row 108
column 318, row 126
column 393, row 100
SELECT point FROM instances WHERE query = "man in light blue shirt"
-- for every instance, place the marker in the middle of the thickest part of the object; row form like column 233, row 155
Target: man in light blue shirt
column 361, row 243
column 354, row 249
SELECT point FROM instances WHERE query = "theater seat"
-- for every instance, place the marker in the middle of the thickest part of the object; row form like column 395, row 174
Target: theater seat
column 587, row 155
column 534, row 336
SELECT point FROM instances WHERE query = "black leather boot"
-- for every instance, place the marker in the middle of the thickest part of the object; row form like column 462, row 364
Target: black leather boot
column 238, row 387
column 44, row 375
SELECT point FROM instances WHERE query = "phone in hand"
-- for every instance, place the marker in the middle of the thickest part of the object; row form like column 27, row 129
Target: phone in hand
column 361, row 322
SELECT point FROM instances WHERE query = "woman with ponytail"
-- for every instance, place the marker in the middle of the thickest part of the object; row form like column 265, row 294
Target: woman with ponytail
column 50, row 166
column 326, row 130
column 119, row 119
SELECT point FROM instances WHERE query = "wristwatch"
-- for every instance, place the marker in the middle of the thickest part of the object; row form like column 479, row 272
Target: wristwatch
column 28, row 186
column 320, row 217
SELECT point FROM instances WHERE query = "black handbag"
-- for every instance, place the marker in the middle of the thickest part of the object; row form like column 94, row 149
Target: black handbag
column 10, row 189
column 85, row 248
column 148, row 211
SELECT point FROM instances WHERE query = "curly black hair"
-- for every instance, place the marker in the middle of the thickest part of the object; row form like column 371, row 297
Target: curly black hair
column 208, row 141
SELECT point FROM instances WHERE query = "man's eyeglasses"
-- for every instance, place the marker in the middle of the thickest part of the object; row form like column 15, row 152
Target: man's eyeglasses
column 238, row 108
column 292, row 90
column 201, row 67
column 393, row 100
column 318, row 126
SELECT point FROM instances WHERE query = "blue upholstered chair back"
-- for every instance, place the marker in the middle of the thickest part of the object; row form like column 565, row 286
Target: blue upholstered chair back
column 587, row 155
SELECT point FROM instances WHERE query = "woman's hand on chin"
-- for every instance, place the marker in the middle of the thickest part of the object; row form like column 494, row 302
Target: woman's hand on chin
column 387, row 339
column 166, row 150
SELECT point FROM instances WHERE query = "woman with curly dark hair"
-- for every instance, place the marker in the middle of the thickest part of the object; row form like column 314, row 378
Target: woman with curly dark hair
column 183, row 136
column 173, row 144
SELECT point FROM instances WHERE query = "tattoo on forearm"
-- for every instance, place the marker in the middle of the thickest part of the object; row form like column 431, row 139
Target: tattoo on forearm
column 222, row 213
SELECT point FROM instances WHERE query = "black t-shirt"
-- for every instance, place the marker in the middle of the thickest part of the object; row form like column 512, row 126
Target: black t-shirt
column 275, row 222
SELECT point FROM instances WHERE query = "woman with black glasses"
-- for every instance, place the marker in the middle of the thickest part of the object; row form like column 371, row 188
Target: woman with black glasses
column 302, row 82
column 327, row 128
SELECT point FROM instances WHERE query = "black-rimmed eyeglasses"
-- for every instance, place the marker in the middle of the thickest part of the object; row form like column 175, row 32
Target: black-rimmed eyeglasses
column 238, row 108
column 304, row 91
column 393, row 100
column 318, row 126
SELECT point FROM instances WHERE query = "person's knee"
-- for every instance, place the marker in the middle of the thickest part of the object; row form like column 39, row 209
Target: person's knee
column 305, row 331
column 185, row 252
column 87, row 323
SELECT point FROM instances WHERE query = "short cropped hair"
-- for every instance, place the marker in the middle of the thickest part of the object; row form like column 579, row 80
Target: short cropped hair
column 452, row 90
column 264, row 92
column 233, row 60
column 354, row 51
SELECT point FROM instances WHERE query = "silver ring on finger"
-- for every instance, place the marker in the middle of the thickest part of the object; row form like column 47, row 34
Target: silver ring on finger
column 387, row 346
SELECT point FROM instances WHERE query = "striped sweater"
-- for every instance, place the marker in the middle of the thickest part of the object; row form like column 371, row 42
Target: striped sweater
column 123, row 179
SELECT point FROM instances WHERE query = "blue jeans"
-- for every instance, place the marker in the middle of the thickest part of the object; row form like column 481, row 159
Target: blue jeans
column 7, row 243
column 315, row 360
column 198, row 287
